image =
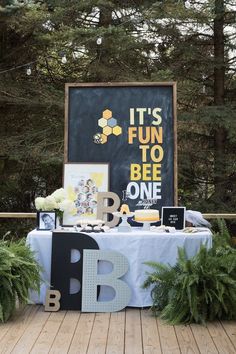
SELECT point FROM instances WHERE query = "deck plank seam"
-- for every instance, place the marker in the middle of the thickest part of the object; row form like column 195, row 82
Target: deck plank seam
column 108, row 332
column 72, row 338
column 177, row 339
column 195, row 339
column 57, row 332
column 90, row 334
column 228, row 335
column 35, row 314
column 159, row 335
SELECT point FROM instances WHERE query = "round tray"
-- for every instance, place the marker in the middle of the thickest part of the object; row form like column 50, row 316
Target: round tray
column 120, row 215
column 146, row 224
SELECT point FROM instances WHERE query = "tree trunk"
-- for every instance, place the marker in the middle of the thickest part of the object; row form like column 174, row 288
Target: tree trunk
column 219, row 90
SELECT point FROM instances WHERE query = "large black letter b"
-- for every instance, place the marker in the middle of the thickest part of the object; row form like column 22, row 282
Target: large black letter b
column 62, row 269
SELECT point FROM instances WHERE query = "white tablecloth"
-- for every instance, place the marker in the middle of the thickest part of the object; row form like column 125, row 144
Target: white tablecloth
column 138, row 246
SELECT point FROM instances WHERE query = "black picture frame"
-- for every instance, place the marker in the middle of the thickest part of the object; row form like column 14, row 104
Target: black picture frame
column 46, row 226
column 174, row 217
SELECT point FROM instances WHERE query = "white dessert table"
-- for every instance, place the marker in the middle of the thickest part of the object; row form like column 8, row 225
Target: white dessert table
column 137, row 246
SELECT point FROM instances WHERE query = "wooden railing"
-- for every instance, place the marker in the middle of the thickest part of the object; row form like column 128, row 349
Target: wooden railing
column 219, row 216
column 18, row 215
column 34, row 215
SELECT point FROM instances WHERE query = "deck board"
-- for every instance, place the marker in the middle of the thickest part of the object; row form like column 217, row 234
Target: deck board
column 131, row 331
column 203, row 339
column 230, row 329
column 151, row 340
column 65, row 334
column 82, row 334
column 186, row 340
column 17, row 329
column 45, row 340
column 116, row 333
column 169, row 342
column 98, row 339
column 35, row 327
column 220, row 338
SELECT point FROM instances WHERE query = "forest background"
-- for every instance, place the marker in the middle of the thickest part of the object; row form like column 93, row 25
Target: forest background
column 45, row 44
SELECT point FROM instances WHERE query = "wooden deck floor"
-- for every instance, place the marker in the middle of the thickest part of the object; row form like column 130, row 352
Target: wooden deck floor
column 131, row 331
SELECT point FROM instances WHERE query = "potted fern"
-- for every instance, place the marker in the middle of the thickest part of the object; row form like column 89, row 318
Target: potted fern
column 198, row 289
column 19, row 272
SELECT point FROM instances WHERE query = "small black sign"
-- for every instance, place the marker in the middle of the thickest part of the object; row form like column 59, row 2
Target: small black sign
column 173, row 216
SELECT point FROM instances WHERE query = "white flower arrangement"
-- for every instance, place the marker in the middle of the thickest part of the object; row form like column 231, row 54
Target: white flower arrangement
column 58, row 201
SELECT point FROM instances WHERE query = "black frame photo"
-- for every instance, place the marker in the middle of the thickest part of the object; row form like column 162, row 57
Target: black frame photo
column 46, row 224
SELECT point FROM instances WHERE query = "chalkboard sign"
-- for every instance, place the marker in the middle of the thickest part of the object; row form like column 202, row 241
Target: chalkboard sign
column 131, row 126
column 174, row 217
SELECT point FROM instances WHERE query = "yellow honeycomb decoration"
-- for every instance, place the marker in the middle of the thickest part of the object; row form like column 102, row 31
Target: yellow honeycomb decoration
column 107, row 130
column 107, row 114
column 109, row 127
column 104, row 139
column 117, row 130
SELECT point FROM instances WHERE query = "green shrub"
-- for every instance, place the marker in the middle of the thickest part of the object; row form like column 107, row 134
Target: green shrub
column 197, row 289
column 19, row 272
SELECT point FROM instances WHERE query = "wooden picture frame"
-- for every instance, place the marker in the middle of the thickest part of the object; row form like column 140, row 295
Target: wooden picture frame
column 83, row 181
column 78, row 97
column 46, row 220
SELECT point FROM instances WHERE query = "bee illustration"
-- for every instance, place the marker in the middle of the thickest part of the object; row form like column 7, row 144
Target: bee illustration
column 97, row 138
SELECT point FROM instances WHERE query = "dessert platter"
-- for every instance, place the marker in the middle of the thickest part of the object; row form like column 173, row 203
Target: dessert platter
column 88, row 225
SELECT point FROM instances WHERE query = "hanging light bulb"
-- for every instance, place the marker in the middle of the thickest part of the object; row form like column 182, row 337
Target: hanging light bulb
column 63, row 59
column 99, row 40
column 187, row 4
column 75, row 55
column 204, row 77
column 28, row 71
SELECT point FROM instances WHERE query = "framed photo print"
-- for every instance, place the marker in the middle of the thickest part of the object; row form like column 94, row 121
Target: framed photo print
column 173, row 216
column 83, row 181
column 46, row 220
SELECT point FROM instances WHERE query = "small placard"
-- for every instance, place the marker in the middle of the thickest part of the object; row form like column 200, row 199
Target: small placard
column 173, row 216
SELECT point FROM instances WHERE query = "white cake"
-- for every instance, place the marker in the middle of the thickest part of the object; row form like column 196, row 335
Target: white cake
column 151, row 215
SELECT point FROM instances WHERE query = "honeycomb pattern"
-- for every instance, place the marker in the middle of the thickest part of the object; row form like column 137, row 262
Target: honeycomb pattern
column 117, row 130
column 107, row 130
column 107, row 114
column 109, row 127
column 103, row 139
column 112, row 122
column 102, row 122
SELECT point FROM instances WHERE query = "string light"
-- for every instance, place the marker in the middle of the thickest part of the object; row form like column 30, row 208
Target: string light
column 63, row 59
column 99, row 40
column 75, row 55
column 28, row 71
column 204, row 86
column 187, row 4
column 63, row 56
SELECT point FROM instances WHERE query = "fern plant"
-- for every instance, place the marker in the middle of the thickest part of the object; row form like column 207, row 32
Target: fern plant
column 19, row 272
column 197, row 289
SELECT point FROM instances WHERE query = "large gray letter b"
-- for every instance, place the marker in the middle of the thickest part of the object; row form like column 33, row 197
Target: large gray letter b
column 91, row 280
